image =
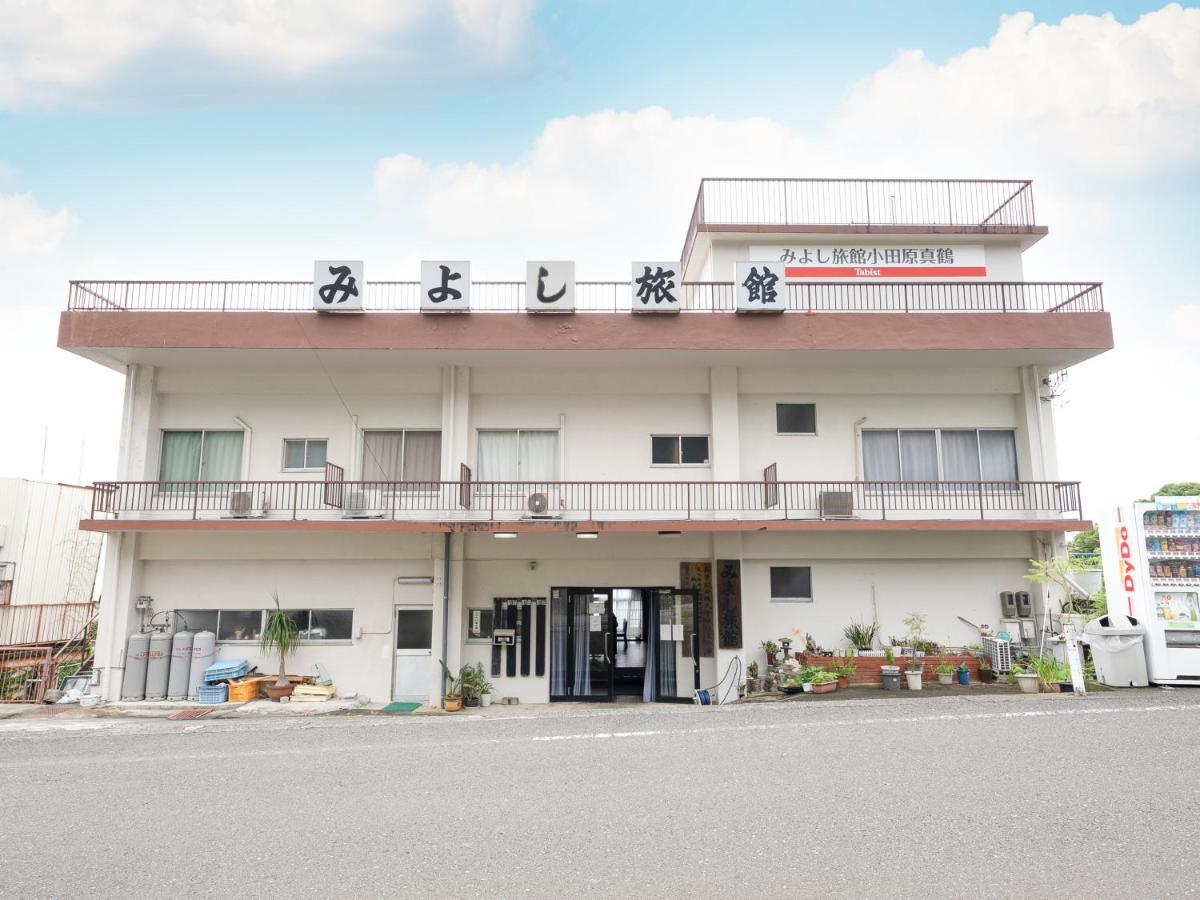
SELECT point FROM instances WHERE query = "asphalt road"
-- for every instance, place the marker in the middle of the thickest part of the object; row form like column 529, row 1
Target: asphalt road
column 983, row 797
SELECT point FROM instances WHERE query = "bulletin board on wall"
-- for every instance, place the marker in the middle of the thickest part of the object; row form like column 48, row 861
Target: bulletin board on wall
column 697, row 576
column 527, row 617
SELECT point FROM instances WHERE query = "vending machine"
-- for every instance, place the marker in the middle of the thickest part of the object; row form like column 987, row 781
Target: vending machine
column 1152, row 573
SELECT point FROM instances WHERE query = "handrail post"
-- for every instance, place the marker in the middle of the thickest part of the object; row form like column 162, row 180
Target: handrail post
column 589, row 501
column 195, row 497
column 295, row 498
column 689, row 500
column 979, row 488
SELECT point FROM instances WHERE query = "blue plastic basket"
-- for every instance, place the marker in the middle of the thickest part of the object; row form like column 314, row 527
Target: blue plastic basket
column 224, row 669
column 213, row 694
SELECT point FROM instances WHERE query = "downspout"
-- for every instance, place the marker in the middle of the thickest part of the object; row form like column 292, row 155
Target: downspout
column 857, row 438
column 445, row 605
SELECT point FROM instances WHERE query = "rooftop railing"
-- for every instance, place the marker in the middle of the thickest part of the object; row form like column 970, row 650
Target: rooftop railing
column 506, row 501
column 596, row 296
column 986, row 205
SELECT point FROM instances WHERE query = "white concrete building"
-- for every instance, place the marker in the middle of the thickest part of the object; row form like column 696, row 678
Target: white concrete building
column 642, row 497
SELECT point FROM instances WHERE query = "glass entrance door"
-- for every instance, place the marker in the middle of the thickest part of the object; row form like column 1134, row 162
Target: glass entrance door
column 583, row 644
column 676, row 645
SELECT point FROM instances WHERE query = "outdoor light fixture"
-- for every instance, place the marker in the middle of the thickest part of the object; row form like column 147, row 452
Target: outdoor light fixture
column 587, row 535
column 504, row 535
column 669, row 533
column 414, row 579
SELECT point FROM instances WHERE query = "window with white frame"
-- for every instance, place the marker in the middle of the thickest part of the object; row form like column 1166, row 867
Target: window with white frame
column 518, row 455
column 792, row 583
column 796, row 418
column 408, row 455
column 940, row 454
column 679, row 449
column 201, row 456
column 247, row 624
column 304, row 454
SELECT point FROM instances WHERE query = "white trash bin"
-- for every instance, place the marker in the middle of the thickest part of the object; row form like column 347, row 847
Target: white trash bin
column 1118, row 650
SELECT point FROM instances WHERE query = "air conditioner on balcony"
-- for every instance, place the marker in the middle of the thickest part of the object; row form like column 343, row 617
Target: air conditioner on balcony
column 358, row 506
column 837, row 504
column 538, row 505
column 241, row 503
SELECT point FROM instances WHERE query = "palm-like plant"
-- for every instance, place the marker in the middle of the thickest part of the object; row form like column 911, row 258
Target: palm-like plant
column 279, row 635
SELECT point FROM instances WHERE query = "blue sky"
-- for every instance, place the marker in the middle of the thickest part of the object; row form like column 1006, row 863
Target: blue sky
column 198, row 141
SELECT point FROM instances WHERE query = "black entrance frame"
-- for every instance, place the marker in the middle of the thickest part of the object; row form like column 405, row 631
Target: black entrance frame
column 651, row 595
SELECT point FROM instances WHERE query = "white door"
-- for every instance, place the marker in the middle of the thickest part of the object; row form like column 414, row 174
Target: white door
column 413, row 672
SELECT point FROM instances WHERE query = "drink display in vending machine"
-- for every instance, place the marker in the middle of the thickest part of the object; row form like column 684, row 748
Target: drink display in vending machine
column 1152, row 572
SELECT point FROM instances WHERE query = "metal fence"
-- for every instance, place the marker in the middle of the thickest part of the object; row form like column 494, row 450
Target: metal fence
column 41, row 623
column 597, row 296
column 493, row 501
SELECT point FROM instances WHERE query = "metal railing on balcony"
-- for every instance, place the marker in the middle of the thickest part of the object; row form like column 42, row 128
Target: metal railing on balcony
column 499, row 501
column 995, row 205
column 43, row 623
column 597, row 296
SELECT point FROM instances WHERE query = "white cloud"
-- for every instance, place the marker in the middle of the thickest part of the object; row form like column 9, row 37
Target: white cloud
column 27, row 230
column 1088, row 90
column 95, row 51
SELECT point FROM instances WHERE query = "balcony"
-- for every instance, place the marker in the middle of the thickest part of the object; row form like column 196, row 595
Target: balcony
column 862, row 206
column 468, row 505
column 43, row 623
column 597, row 297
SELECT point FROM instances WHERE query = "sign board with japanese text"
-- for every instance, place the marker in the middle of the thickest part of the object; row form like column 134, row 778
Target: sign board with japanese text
column 338, row 285
column 445, row 286
column 759, row 287
column 831, row 262
column 550, row 287
column 657, row 287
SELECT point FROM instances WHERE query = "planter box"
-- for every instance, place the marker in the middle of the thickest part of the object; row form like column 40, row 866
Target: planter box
column 867, row 667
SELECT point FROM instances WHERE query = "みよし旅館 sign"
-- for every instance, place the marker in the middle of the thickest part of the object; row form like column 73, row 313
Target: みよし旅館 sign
column 861, row 261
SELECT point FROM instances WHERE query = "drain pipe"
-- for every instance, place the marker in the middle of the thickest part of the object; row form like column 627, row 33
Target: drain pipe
column 445, row 609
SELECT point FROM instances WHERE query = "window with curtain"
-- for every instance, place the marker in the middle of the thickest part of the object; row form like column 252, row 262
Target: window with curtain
column 201, row 456
column 411, row 456
column 947, row 454
column 518, row 455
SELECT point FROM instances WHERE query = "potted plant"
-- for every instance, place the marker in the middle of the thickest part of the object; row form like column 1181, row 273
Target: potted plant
column 860, row 635
column 452, row 700
column 485, row 687
column 891, row 671
column 824, row 682
column 987, row 675
column 914, row 669
column 1074, row 608
column 962, row 673
column 844, row 668
column 752, row 683
column 771, row 649
column 470, row 685
column 945, row 673
column 1026, row 681
column 279, row 635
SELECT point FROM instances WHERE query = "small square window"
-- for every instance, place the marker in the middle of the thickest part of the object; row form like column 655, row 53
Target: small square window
column 300, row 453
column 240, row 625
column 796, row 418
column 675, row 450
column 791, row 583
column 330, row 625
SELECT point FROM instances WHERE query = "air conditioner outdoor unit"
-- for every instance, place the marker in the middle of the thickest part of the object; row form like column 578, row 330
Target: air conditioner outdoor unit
column 538, row 505
column 358, row 506
column 837, row 504
column 241, row 503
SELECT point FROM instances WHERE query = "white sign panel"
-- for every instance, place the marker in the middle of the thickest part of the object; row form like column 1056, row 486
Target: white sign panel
column 657, row 287
column 760, row 287
column 550, row 287
column 445, row 286
column 338, row 285
column 832, row 262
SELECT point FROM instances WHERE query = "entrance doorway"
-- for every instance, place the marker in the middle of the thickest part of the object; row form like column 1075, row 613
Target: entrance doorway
column 617, row 643
column 413, row 665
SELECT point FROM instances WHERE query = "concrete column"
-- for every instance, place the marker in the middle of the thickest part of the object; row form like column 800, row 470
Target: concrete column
column 1037, row 456
column 447, row 608
column 456, row 411
column 137, row 461
column 727, row 545
column 726, row 428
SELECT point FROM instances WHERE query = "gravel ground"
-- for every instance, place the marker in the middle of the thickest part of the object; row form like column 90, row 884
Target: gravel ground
column 970, row 796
